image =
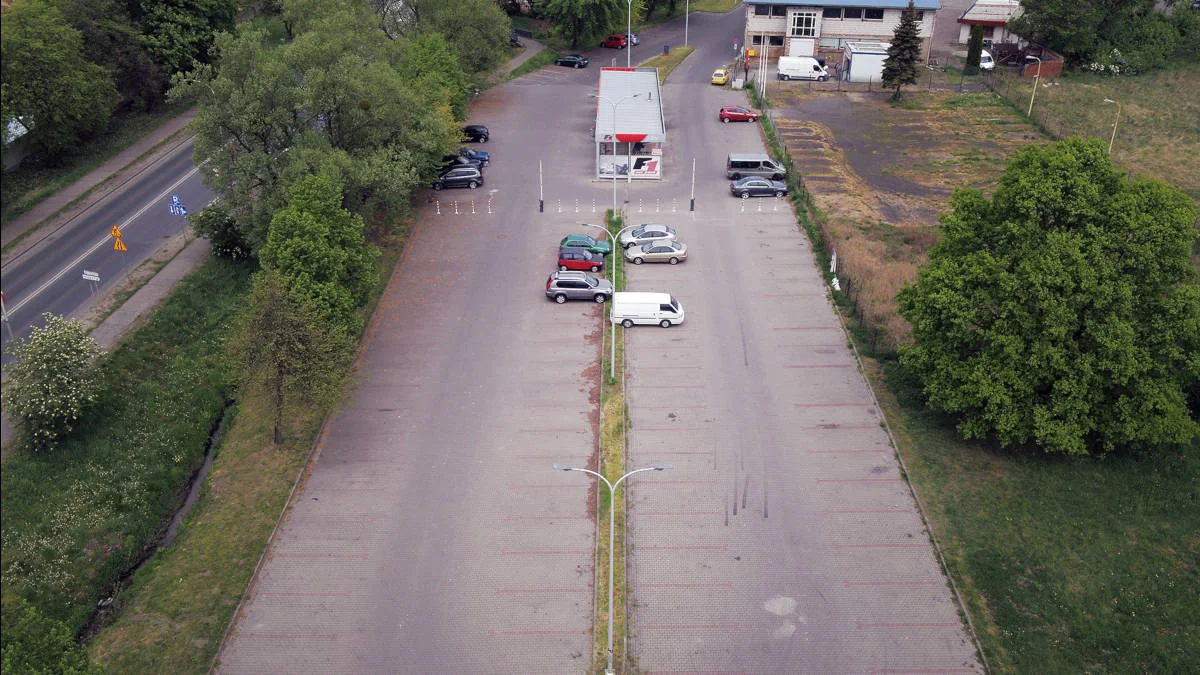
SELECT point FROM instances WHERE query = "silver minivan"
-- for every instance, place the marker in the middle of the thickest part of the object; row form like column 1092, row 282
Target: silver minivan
column 742, row 165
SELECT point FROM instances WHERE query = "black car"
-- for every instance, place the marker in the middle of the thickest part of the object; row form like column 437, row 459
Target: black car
column 514, row 40
column 756, row 186
column 458, row 177
column 476, row 133
column 453, row 161
column 572, row 61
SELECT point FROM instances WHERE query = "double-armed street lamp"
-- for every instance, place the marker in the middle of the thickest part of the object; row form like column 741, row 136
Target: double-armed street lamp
column 612, row 509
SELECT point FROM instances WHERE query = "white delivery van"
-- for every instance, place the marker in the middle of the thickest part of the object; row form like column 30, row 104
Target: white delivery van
column 631, row 308
column 801, row 68
column 986, row 62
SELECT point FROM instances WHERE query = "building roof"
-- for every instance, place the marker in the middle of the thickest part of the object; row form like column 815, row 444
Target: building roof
column 868, row 46
column 634, row 95
column 873, row 4
column 991, row 12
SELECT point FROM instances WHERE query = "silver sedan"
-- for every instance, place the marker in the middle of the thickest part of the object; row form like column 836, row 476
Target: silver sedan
column 667, row 251
column 645, row 233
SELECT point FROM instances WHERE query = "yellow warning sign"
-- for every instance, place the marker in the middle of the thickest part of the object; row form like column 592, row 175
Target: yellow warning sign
column 116, row 232
column 119, row 245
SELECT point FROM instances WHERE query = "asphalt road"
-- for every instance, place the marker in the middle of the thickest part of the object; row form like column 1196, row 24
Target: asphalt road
column 432, row 534
column 47, row 277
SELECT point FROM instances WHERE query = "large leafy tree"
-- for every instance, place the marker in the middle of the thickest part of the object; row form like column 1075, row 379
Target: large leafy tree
column 1143, row 36
column 1063, row 312
column 48, row 84
column 178, row 32
column 32, row 643
column 112, row 39
column 283, row 349
column 53, row 380
column 582, row 20
column 319, row 247
column 477, row 29
column 338, row 99
column 900, row 66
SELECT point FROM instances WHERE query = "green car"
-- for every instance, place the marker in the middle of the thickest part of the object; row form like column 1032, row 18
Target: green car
column 586, row 243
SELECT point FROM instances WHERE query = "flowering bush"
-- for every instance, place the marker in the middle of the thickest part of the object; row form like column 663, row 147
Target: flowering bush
column 1111, row 64
column 54, row 379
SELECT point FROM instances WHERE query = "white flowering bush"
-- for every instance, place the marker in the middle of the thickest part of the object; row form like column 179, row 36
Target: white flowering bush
column 54, row 378
column 1111, row 64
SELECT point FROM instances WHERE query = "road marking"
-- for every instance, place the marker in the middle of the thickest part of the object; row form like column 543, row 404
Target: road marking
column 103, row 241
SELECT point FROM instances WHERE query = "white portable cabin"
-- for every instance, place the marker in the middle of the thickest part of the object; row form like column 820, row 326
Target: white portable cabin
column 864, row 61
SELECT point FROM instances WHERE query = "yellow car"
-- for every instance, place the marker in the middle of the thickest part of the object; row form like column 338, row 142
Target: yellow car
column 720, row 76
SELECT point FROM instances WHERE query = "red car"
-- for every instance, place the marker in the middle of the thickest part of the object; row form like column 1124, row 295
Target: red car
column 736, row 113
column 614, row 41
column 579, row 259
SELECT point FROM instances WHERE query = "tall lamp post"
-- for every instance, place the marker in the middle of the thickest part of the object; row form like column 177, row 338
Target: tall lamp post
column 628, row 32
column 614, row 135
column 611, row 242
column 612, row 509
column 1115, row 121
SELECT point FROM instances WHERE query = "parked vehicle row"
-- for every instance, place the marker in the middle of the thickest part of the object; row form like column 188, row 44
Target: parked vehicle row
column 464, row 169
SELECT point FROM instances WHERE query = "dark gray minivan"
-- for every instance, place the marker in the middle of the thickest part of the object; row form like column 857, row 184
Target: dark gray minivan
column 739, row 165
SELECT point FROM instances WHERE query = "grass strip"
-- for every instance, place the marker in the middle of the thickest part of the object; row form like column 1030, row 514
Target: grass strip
column 667, row 62
column 77, row 518
column 535, row 62
column 178, row 606
column 612, row 465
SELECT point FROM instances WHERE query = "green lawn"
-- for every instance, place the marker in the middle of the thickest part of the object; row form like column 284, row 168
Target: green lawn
column 1067, row 565
column 76, row 518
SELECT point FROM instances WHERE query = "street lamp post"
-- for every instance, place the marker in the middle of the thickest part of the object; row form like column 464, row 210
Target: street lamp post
column 628, row 32
column 611, row 242
column 614, row 135
column 612, row 509
column 1115, row 121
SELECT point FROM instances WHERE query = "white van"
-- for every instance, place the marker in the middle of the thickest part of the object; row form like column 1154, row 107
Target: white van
column 633, row 308
column 801, row 68
column 986, row 62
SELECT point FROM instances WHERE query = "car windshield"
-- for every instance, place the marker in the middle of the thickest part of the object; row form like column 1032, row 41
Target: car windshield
column 590, row 282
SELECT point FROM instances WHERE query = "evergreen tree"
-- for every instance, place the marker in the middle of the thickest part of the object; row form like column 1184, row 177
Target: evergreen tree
column 974, row 51
column 900, row 66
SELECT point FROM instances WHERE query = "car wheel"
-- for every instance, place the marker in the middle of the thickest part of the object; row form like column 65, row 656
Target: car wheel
column 754, row 119
column 560, row 298
column 562, row 268
column 437, row 186
column 595, row 268
column 785, row 78
column 825, row 79
column 725, row 120
column 637, row 261
column 628, row 323
column 483, row 140
column 745, row 195
column 578, row 65
column 600, row 297
column 780, row 193
column 737, row 176
column 473, row 185
column 674, row 261
column 664, row 323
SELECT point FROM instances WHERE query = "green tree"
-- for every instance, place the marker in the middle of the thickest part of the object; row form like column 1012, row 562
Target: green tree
column 113, row 40
column 177, row 33
column 336, row 100
column 974, row 51
column 33, row 644
column 477, row 29
column 58, row 95
column 1063, row 312
column 900, row 66
column 222, row 231
column 283, row 349
column 54, row 378
column 582, row 20
column 319, row 247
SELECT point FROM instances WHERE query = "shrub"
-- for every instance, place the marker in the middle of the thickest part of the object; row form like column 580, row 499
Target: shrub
column 54, row 379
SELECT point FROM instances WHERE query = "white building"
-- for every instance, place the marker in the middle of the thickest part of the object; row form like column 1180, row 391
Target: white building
column 993, row 15
column 630, row 130
column 794, row 28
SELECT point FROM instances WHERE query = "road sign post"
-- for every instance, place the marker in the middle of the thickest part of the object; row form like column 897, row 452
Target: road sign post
column 93, row 279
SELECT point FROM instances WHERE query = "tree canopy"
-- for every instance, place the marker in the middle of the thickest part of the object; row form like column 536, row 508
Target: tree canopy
column 339, row 99
column 319, row 247
column 1063, row 312
column 57, row 94
column 1131, row 34
column 581, row 20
